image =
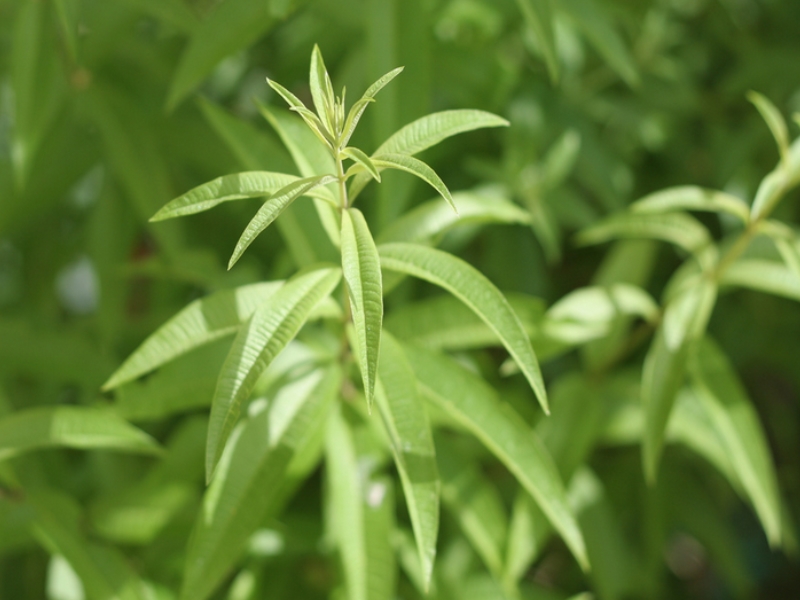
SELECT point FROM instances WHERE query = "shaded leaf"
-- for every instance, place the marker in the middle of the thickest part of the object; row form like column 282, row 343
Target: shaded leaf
column 471, row 287
column 363, row 160
column 362, row 272
column 201, row 322
column 271, row 327
column 677, row 228
column 764, row 276
column 691, row 197
column 774, row 120
column 468, row 399
column 70, row 427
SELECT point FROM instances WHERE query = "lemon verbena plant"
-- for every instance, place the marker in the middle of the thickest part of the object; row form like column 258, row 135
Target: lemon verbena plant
column 313, row 364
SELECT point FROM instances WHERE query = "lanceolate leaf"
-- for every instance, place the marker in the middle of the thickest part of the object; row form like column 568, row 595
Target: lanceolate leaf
column 471, row 287
column 677, row 228
column 691, row 197
column 406, row 421
column 468, row 399
column 358, row 108
column 270, row 328
column 259, row 466
column 201, row 322
column 430, row 220
column 272, row 208
column 70, row 427
column 416, row 167
column 362, row 159
column 429, row 131
column 321, row 89
column 362, row 272
column 763, row 275
column 774, row 120
column 737, row 423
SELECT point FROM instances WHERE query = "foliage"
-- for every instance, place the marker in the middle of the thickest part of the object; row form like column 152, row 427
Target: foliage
column 385, row 395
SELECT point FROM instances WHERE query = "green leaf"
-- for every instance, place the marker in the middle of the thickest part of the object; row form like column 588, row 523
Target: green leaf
column 264, row 459
column 476, row 291
column 593, row 20
column 735, row 419
column 270, row 328
column 412, row 165
column 362, row 272
column 362, row 159
column 175, row 12
column 763, row 276
column 685, row 320
column 468, row 399
column 777, row 183
column 774, row 120
column 406, row 422
column 232, row 26
column 313, row 121
column 677, row 228
column 70, row 427
column 201, row 322
column 428, row 131
column 690, row 197
column 272, row 208
column 560, row 159
column 322, row 90
column 430, row 220
column 539, row 18
column 354, row 116
column 68, row 19
column 786, row 241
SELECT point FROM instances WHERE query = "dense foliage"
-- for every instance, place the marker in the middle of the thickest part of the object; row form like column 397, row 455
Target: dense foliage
column 433, row 366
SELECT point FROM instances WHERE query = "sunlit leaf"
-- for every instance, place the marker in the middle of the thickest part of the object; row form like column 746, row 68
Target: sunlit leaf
column 468, row 399
column 322, row 90
column 476, row 291
column 406, row 421
column 362, row 159
column 270, row 328
column 362, row 272
column 272, row 208
column 691, row 197
column 416, row 167
column 764, row 276
column 260, row 465
column 70, row 427
column 201, row 322
column 739, row 428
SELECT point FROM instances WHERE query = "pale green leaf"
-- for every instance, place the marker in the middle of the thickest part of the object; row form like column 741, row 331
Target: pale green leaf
column 406, row 422
column 354, row 116
column 764, row 276
column 362, row 159
column 528, row 532
column 476, row 291
column 272, row 208
column 775, row 121
column 430, row 220
column 231, row 26
column 595, row 23
column 379, row 524
column 786, row 241
column 777, row 183
column 322, row 90
column 538, row 15
column 264, row 460
column 412, row 165
column 690, row 197
column 477, row 505
column 362, row 272
column 685, row 320
column 270, row 328
column 737, row 423
column 468, row 399
column 428, row 131
column 677, row 228
column 70, row 427
column 201, row 322
column 313, row 121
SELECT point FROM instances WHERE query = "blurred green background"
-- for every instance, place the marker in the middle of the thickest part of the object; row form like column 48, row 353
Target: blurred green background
column 110, row 108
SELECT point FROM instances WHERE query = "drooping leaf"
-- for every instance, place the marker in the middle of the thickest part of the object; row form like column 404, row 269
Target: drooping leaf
column 677, row 228
column 363, row 160
column 774, row 120
column 476, row 291
column 416, row 167
column 260, row 465
column 764, row 276
column 406, row 422
column 362, row 272
column 429, row 131
column 430, row 220
column 737, row 423
column 70, row 427
column 270, row 328
column 201, row 322
column 272, row 208
column 685, row 320
column 690, row 197
column 538, row 16
column 467, row 398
